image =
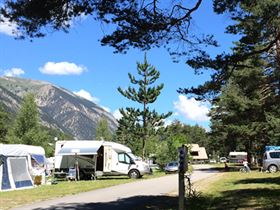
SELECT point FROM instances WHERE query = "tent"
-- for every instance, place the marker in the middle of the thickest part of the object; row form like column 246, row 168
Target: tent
column 19, row 164
column 198, row 153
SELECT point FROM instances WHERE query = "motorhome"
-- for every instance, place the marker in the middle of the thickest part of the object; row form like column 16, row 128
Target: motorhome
column 97, row 158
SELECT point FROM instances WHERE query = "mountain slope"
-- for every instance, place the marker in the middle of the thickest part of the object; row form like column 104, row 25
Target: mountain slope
column 59, row 108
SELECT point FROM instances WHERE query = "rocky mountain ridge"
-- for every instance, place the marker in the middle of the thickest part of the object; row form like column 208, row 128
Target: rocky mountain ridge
column 59, row 108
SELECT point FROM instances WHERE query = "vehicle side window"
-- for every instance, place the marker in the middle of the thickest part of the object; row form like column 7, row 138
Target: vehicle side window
column 124, row 158
column 274, row 154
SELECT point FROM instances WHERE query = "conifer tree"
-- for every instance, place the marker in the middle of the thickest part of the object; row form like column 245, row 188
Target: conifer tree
column 26, row 129
column 3, row 125
column 142, row 121
column 102, row 130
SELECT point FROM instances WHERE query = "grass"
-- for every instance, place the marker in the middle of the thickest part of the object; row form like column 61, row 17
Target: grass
column 227, row 190
column 235, row 190
column 15, row 198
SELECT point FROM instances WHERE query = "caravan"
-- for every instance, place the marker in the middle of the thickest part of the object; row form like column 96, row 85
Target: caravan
column 237, row 157
column 21, row 166
column 97, row 158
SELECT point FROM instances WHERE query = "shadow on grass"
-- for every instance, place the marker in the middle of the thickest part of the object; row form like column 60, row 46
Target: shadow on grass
column 268, row 180
column 239, row 199
column 218, row 169
column 253, row 199
column 112, row 177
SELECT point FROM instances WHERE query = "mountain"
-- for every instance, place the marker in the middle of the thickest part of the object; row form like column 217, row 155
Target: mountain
column 59, row 108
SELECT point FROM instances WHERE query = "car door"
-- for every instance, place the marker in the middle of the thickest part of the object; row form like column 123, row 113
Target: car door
column 124, row 163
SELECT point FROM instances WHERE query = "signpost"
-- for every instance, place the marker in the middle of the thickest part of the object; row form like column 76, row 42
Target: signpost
column 183, row 167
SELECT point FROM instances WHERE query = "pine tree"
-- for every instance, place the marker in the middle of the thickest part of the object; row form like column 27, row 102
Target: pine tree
column 143, row 120
column 239, row 116
column 4, row 118
column 102, row 130
column 26, row 127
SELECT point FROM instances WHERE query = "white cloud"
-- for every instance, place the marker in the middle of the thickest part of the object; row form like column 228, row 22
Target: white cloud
column 192, row 109
column 84, row 94
column 62, row 68
column 106, row 108
column 8, row 28
column 13, row 72
column 117, row 114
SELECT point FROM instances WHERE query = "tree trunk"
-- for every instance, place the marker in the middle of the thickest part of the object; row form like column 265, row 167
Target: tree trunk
column 144, row 147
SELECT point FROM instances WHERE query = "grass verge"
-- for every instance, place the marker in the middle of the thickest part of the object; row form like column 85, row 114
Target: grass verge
column 15, row 198
column 235, row 190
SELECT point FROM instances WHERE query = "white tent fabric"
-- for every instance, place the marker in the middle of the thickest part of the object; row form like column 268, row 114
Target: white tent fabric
column 16, row 167
column 20, row 150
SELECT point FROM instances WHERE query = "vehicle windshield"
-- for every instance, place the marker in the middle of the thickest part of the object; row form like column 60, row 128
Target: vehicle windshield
column 134, row 157
column 173, row 164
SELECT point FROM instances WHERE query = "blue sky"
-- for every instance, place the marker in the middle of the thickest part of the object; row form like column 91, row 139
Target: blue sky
column 77, row 61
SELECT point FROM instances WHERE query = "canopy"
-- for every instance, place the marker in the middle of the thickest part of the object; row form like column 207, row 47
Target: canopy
column 40, row 159
column 20, row 150
column 78, row 148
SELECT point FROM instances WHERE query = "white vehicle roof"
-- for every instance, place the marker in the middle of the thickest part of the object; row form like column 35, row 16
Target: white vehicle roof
column 20, row 150
column 85, row 147
column 237, row 153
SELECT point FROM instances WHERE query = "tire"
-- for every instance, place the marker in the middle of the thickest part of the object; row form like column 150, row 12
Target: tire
column 134, row 174
column 272, row 169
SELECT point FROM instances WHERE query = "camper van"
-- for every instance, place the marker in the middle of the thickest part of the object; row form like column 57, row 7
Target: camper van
column 91, row 159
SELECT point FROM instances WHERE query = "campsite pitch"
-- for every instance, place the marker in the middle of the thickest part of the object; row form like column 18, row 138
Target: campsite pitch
column 11, row 199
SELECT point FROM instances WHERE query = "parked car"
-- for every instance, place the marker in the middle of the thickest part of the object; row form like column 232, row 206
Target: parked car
column 171, row 167
column 223, row 160
column 271, row 161
column 212, row 161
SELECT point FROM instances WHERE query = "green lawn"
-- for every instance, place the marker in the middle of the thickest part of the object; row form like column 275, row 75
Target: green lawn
column 235, row 190
column 226, row 191
column 20, row 197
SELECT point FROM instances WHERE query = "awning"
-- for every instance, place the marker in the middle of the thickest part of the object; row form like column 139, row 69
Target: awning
column 40, row 159
column 80, row 148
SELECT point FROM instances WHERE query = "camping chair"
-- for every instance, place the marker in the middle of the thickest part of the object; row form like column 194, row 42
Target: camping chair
column 71, row 174
column 38, row 180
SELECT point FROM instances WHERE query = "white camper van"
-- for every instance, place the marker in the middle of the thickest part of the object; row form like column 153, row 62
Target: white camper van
column 97, row 158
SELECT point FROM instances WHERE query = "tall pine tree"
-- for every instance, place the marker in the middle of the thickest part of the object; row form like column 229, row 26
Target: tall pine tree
column 142, row 121
column 26, row 127
column 4, row 118
column 102, row 130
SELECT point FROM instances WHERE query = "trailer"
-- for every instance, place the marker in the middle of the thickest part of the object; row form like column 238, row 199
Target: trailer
column 88, row 159
column 237, row 157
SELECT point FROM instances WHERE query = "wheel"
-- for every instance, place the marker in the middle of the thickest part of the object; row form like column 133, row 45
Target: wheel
column 272, row 169
column 134, row 174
